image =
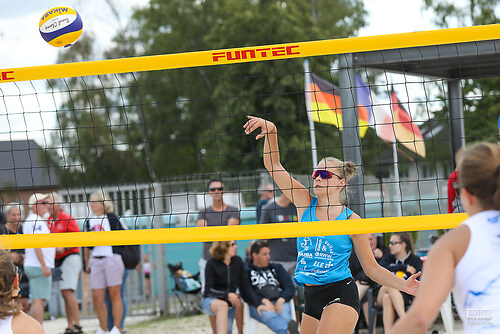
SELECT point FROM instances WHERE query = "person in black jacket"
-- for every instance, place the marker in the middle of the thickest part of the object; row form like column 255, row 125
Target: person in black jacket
column 404, row 263
column 224, row 274
column 272, row 289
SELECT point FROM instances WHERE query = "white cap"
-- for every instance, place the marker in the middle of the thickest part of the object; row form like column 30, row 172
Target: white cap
column 37, row 197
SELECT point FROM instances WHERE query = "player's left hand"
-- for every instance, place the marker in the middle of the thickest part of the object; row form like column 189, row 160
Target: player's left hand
column 412, row 284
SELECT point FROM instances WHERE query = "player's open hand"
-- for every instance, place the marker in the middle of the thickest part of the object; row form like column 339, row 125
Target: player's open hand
column 254, row 123
column 412, row 285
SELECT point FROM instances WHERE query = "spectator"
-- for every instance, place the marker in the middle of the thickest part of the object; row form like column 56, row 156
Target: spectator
column 224, row 273
column 68, row 260
column 266, row 194
column 14, row 213
column 117, row 224
column 106, row 268
column 38, row 262
column 218, row 214
column 403, row 263
column 454, row 204
column 283, row 250
column 272, row 289
column 146, row 268
column 12, row 318
column 363, row 282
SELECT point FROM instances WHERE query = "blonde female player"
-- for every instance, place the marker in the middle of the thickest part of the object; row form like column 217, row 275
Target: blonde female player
column 331, row 296
column 467, row 259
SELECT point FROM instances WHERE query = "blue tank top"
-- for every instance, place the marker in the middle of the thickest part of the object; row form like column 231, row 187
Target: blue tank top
column 322, row 260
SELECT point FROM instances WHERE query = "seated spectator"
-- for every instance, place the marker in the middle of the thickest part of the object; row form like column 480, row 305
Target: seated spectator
column 403, row 263
column 272, row 289
column 363, row 282
column 12, row 319
column 224, row 274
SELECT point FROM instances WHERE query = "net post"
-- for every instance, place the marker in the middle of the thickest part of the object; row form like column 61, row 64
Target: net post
column 351, row 141
column 161, row 258
column 457, row 133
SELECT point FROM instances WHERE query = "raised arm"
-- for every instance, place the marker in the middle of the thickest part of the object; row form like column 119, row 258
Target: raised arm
column 290, row 187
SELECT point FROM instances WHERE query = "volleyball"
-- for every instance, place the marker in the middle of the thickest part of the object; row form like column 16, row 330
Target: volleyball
column 61, row 26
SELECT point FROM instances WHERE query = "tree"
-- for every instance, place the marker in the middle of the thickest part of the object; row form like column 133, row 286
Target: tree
column 481, row 96
column 191, row 119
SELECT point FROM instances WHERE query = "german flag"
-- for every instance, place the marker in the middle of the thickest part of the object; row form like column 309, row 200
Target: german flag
column 325, row 104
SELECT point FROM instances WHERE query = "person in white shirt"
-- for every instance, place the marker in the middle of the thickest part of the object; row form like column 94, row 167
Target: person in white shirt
column 106, row 268
column 466, row 259
column 12, row 319
column 38, row 262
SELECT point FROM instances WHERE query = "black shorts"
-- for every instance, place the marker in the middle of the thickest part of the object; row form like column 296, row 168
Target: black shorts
column 318, row 297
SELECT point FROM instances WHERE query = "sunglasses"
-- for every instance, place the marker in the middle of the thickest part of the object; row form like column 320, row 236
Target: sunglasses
column 232, row 244
column 216, row 189
column 325, row 174
column 392, row 243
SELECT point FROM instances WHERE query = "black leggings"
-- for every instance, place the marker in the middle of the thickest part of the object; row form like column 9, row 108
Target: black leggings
column 318, row 297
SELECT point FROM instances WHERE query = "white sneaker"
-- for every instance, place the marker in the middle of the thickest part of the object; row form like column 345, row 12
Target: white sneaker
column 115, row 330
column 100, row 331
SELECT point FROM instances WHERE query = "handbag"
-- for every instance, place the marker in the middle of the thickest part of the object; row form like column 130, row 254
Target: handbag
column 131, row 254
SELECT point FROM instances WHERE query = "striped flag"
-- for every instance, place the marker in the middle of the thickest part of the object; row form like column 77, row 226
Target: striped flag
column 379, row 116
column 407, row 132
column 323, row 101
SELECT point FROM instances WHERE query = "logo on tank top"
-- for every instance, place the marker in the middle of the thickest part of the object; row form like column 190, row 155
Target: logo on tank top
column 493, row 220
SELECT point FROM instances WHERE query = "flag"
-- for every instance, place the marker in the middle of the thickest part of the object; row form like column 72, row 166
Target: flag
column 323, row 101
column 407, row 132
column 379, row 117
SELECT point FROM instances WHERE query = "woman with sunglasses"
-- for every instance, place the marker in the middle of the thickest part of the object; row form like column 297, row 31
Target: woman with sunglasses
column 331, row 297
column 12, row 319
column 224, row 274
column 466, row 259
column 403, row 263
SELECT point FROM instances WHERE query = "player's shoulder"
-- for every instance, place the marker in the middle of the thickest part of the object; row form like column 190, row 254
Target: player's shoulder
column 23, row 323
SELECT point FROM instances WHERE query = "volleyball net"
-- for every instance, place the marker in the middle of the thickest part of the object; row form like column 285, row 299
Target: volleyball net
column 153, row 131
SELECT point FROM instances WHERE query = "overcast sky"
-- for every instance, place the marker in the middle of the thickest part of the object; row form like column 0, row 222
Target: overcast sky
column 22, row 45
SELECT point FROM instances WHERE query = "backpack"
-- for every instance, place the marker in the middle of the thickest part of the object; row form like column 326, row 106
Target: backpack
column 131, row 254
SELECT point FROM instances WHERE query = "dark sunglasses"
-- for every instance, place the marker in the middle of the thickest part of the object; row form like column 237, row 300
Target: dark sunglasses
column 325, row 174
column 392, row 243
column 217, row 188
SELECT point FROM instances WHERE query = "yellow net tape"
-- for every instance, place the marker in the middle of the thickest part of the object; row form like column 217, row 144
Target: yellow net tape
column 251, row 54
column 243, row 232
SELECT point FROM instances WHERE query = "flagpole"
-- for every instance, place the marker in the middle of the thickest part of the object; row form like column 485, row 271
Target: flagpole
column 397, row 187
column 312, row 131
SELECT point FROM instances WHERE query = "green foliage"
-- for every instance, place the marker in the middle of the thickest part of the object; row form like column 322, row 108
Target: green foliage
column 191, row 119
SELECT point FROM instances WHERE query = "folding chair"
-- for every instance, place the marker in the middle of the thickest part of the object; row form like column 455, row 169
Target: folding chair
column 188, row 298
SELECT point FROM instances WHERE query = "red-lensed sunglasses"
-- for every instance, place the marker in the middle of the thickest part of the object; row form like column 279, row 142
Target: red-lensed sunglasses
column 325, row 174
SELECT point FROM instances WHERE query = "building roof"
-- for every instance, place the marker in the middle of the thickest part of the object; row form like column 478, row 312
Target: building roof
column 451, row 61
column 24, row 164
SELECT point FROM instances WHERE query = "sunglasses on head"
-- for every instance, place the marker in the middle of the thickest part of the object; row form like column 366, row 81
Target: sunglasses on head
column 325, row 174
column 216, row 188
